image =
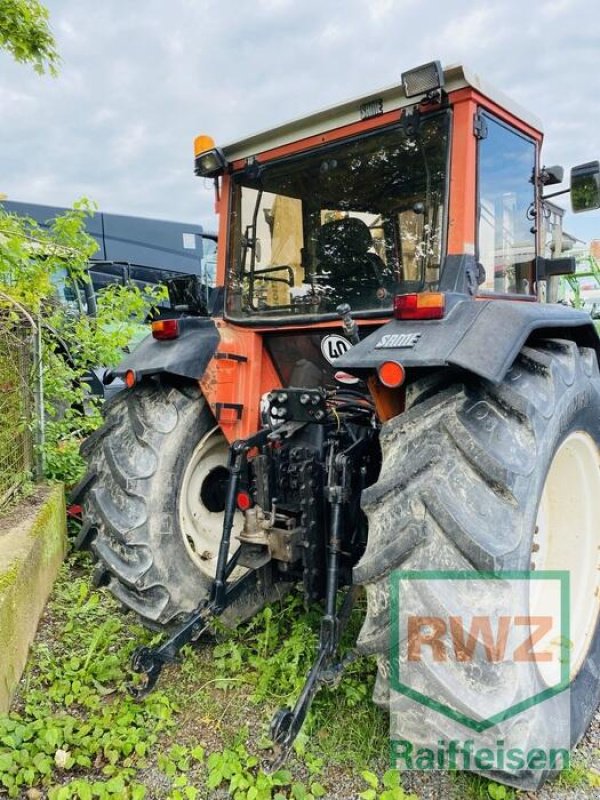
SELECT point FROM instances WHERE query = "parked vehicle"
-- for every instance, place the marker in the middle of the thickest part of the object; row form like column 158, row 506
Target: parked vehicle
column 376, row 389
column 138, row 251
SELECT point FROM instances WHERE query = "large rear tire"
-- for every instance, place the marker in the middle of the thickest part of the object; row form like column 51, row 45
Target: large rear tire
column 154, row 497
column 490, row 478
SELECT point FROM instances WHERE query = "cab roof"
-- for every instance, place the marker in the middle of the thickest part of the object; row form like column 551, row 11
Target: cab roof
column 348, row 112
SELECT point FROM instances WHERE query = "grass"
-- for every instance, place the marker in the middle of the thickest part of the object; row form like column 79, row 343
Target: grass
column 75, row 732
column 578, row 775
column 475, row 787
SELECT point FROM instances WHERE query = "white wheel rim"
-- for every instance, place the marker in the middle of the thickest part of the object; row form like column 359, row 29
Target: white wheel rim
column 567, row 538
column 200, row 524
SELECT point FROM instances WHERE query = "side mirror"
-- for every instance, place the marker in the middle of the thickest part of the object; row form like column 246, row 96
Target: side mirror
column 585, row 187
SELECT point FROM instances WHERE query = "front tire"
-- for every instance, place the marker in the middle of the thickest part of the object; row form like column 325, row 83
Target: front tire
column 469, row 476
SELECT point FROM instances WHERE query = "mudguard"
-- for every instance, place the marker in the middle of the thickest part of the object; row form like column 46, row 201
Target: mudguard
column 481, row 336
column 187, row 356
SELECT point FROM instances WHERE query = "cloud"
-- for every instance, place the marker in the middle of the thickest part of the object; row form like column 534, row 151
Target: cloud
column 129, row 144
column 381, row 10
column 557, row 8
column 478, row 29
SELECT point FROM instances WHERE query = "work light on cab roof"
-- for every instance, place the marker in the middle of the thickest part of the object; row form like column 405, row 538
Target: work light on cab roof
column 427, row 79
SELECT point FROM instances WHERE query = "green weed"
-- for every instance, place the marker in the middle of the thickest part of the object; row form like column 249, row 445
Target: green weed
column 386, row 788
column 74, row 714
column 479, row 788
column 76, row 733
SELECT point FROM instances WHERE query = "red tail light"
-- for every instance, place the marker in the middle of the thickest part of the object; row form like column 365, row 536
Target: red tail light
column 165, row 329
column 427, row 305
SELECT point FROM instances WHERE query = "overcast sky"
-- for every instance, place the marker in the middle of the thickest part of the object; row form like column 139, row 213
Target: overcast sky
column 140, row 79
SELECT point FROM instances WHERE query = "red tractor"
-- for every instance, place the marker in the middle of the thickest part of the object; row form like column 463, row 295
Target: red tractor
column 377, row 387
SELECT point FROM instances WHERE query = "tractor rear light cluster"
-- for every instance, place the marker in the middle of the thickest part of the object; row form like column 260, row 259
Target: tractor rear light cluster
column 426, row 305
column 165, row 329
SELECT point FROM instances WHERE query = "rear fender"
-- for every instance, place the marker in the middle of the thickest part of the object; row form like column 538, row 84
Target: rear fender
column 481, row 336
column 187, row 356
column 229, row 363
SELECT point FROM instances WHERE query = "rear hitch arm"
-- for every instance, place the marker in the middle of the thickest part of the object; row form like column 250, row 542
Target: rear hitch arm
column 287, row 723
column 149, row 661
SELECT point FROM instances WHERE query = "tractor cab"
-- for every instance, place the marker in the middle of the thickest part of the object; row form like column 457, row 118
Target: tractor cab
column 429, row 191
column 376, row 197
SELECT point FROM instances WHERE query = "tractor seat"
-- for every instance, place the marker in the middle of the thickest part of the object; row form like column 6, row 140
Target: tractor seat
column 343, row 252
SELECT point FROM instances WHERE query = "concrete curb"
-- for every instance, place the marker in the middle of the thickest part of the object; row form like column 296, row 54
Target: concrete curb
column 32, row 547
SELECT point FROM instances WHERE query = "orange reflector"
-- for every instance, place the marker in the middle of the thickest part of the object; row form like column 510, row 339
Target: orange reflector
column 130, row 379
column 391, row 374
column 426, row 305
column 165, row 329
column 203, row 143
column 244, row 501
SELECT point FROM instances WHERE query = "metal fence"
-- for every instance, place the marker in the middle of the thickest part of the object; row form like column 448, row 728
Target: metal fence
column 17, row 406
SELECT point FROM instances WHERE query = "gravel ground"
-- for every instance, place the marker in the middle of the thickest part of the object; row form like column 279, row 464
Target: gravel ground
column 438, row 785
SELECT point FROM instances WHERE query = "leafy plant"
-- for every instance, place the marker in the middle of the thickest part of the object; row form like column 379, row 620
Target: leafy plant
column 37, row 266
column 497, row 791
column 388, row 788
column 481, row 788
column 75, row 714
column 26, row 35
column 240, row 772
column 273, row 651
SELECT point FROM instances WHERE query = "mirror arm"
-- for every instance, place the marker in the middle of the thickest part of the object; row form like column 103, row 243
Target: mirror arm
column 555, row 194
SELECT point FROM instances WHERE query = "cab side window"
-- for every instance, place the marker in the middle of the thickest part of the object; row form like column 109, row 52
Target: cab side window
column 506, row 242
